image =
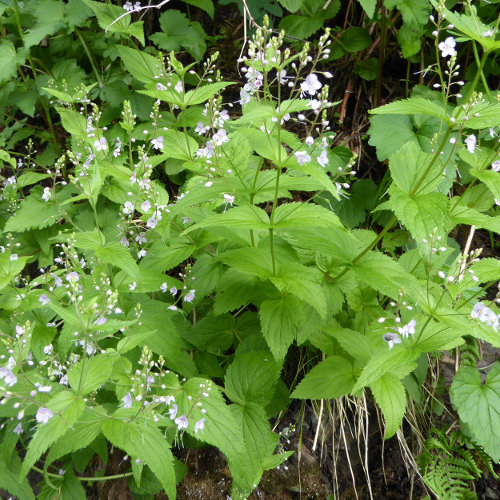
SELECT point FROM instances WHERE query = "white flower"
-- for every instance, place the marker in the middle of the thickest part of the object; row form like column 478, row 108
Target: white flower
column 141, row 253
column 44, row 299
column 172, row 308
column 163, row 287
column 310, row 85
column 43, row 415
column 229, row 199
column 127, row 400
column 152, row 222
column 18, row 429
column 190, row 296
column 447, row 47
column 128, row 6
column 323, row 158
column 173, row 291
column 132, row 286
column 470, row 142
column 72, row 277
column 487, row 33
column 158, row 142
column 495, row 166
column 44, row 388
column 8, row 376
column 181, row 422
column 146, row 206
column 178, row 87
column 47, row 194
column 220, row 137
column 199, row 426
column 101, row 144
column 391, row 339
column 101, row 320
column 309, row 141
column 314, row 104
column 302, row 157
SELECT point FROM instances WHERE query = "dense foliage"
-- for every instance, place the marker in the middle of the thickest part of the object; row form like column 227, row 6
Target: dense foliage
column 171, row 238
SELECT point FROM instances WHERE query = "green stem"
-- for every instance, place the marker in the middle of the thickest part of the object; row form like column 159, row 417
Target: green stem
column 483, row 78
column 89, row 55
column 90, row 478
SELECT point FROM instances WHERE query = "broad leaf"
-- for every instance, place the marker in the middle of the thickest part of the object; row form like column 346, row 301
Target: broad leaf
column 390, row 395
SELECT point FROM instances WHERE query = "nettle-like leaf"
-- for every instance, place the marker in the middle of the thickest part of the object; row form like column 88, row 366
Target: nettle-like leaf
column 390, row 395
column 89, row 374
column 10, row 468
column 478, row 405
column 67, row 408
column 141, row 65
column 332, row 378
column 146, row 442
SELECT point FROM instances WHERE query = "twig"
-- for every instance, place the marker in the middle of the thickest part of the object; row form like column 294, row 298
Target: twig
column 137, row 9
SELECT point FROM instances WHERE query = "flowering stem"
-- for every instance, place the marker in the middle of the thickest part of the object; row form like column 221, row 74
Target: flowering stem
column 80, row 478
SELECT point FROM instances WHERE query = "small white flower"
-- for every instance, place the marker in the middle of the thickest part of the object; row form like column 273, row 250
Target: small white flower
column 127, row 400
column 132, row 286
column 128, row 6
column 146, row 206
column 310, row 85
column 173, row 411
column 101, row 144
column 447, row 47
column 199, row 426
column 141, row 253
column 309, row 141
column 44, row 388
column 48, row 349
column 158, row 142
column 181, row 422
column 470, row 142
column 43, row 415
column 163, row 287
column 72, row 277
column 487, row 33
column 495, row 166
column 314, row 104
column 173, row 291
column 302, row 157
column 200, row 128
column 152, row 222
column 44, row 299
column 18, row 429
column 14, row 257
column 47, row 194
column 128, row 208
column 172, row 308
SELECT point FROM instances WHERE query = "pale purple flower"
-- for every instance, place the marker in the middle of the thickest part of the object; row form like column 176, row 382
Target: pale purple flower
column 178, row 87
column 181, row 422
column 229, row 199
column 309, row 141
column 447, row 47
column 199, row 426
column 302, row 157
column 173, row 411
column 48, row 349
column 44, row 388
column 391, row 339
column 163, row 287
column 101, row 320
column 158, row 142
column 495, row 166
column 14, row 257
column 146, row 206
column 8, row 376
column 132, row 286
column 18, row 429
column 200, row 128
column 152, row 222
column 310, row 85
column 408, row 329
column 323, row 158
column 220, row 137
column 101, row 144
column 43, row 415
column 173, row 291
column 127, row 400
column 128, row 208
column 44, row 299
column 72, row 277
column 190, row 296
column 470, row 142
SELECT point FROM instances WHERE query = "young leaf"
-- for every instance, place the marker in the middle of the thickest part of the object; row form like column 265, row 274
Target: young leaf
column 390, row 395
column 332, row 378
column 478, row 405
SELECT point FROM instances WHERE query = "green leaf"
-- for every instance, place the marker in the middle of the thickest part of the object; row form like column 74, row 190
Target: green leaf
column 390, row 395
column 421, row 214
column 10, row 469
column 89, row 374
column 9, row 269
column 244, row 217
column 177, row 32
column 368, row 6
column 201, row 94
column 485, row 116
column 117, row 255
column 67, row 408
column 252, row 377
column 413, row 105
column 49, row 18
column 301, row 214
column 144, row 441
column 478, row 405
column 81, row 435
column 281, row 318
column 301, row 26
column 331, row 378
column 291, row 5
column 355, row 39
column 143, row 67
column 415, row 12
column 251, row 260
column 487, row 269
column 73, row 122
column 212, row 333
column 8, row 60
column 490, row 178
column 206, row 5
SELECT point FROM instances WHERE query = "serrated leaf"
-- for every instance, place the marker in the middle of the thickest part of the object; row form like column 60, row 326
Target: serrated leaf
column 281, row 318
column 117, row 255
column 89, row 374
column 10, row 468
column 146, row 442
column 478, row 405
column 206, row 5
column 413, row 105
column 142, row 66
column 390, row 395
column 73, row 122
column 201, row 94
column 255, row 261
column 8, row 60
column 251, row 378
column 301, row 26
column 291, row 5
column 368, row 6
column 301, row 214
column 244, row 217
column 331, row 378
column 67, row 408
